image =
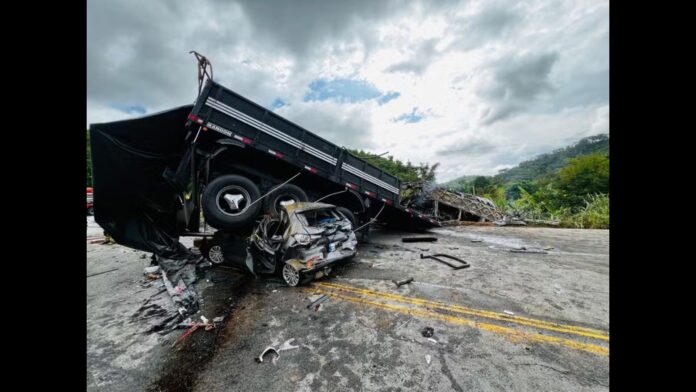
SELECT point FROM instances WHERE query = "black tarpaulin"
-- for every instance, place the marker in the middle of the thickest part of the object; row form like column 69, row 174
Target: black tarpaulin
column 133, row 201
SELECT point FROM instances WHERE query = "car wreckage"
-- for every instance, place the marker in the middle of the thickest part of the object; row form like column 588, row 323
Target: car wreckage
column 302, row 244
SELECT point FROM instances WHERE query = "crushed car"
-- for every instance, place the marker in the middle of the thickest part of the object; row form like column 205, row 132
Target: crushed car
column 302, row 243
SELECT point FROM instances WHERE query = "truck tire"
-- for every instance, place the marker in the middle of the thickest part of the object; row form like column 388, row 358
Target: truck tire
column 227, row 202
column 271, row 204
column 349, row 215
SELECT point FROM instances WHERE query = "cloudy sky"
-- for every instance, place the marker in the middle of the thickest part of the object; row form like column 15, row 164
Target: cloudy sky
column 475, row 85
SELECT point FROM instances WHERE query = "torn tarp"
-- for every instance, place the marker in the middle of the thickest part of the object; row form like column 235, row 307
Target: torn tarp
column 133, row 200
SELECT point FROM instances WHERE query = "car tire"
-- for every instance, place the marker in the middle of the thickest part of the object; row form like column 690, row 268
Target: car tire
column 271, row 204
column 349, row 215
column 291, row 275
column 212, row 251
column 90, row 211
column 227, row 202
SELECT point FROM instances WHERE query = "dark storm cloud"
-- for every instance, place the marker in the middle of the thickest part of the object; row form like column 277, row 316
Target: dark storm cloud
column 516, row 83
column 424, row 55
column 492, row 22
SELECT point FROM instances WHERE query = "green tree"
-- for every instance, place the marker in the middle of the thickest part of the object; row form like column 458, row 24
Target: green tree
column 583, row 176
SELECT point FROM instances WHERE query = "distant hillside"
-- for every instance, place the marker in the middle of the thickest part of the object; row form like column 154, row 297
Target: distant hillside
column 541, row 165
column 548, row 163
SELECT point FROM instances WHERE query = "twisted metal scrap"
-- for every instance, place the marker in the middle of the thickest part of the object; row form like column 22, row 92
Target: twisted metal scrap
column 203, row 65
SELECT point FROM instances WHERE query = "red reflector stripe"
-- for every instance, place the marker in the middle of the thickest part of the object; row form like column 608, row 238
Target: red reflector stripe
column 371, row 194
column 387, row 201
column 311, row 169
column 277, row 154
column 195, row 118
column 351, row 186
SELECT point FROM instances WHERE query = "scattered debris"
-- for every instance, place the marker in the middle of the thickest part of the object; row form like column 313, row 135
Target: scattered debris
column 508, row 312
column 419, row 239
column 477, row 240
column 193, row 328
column 103, row 272
column 151, row 270
column 456, row 267
column 427, row 359
column 287, row 345
column 317, row 302
column 427, row 332
column 548, row 248
column 523, row 249
column 218, row 319
column 403, row 282
column 433, row 340
column 269, row 348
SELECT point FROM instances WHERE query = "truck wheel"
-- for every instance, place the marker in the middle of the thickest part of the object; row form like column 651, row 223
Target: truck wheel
column 227, row 202
column 349, row 215
column 271, row 204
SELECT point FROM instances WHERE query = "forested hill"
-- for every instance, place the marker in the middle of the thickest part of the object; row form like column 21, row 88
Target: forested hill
column 548, row 163
column 545, row 164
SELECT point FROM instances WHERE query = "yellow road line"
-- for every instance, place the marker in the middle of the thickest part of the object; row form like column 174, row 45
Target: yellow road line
column 586, row 332
column 508, row 332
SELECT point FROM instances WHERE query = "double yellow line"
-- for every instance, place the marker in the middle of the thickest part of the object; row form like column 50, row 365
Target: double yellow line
column 333, row 289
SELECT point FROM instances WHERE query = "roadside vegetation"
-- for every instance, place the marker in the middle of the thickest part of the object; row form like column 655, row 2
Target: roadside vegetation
column 569, row 186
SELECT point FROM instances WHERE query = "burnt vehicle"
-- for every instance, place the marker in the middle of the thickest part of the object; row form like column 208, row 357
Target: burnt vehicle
column 302, row 243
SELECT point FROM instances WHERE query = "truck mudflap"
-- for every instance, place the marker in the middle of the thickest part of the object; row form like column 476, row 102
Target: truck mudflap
column 134, row 202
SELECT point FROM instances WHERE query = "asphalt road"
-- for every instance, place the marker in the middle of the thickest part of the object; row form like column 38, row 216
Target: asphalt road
column 511, row 321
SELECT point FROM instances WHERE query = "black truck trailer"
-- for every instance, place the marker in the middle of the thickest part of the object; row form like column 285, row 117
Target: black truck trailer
column 233, row 160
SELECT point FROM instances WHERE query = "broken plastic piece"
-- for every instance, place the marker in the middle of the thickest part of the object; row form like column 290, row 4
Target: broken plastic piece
column 427, row 359
column 269, row 348
column 287, row 345
column 151, row 270
column 508, row 312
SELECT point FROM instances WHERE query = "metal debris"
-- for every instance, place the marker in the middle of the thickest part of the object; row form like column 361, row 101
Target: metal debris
column 419, row 239
column 508, row 312
column 403, row 282
column 318, row 301
column 436, row 257
column 523, row 249
column 427, row 359
column 103, row 272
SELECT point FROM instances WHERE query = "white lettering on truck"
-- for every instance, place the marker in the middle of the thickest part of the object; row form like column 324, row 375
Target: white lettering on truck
column 218, row 129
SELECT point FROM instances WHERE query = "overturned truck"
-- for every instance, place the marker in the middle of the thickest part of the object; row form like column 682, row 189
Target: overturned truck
column 233, row 162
